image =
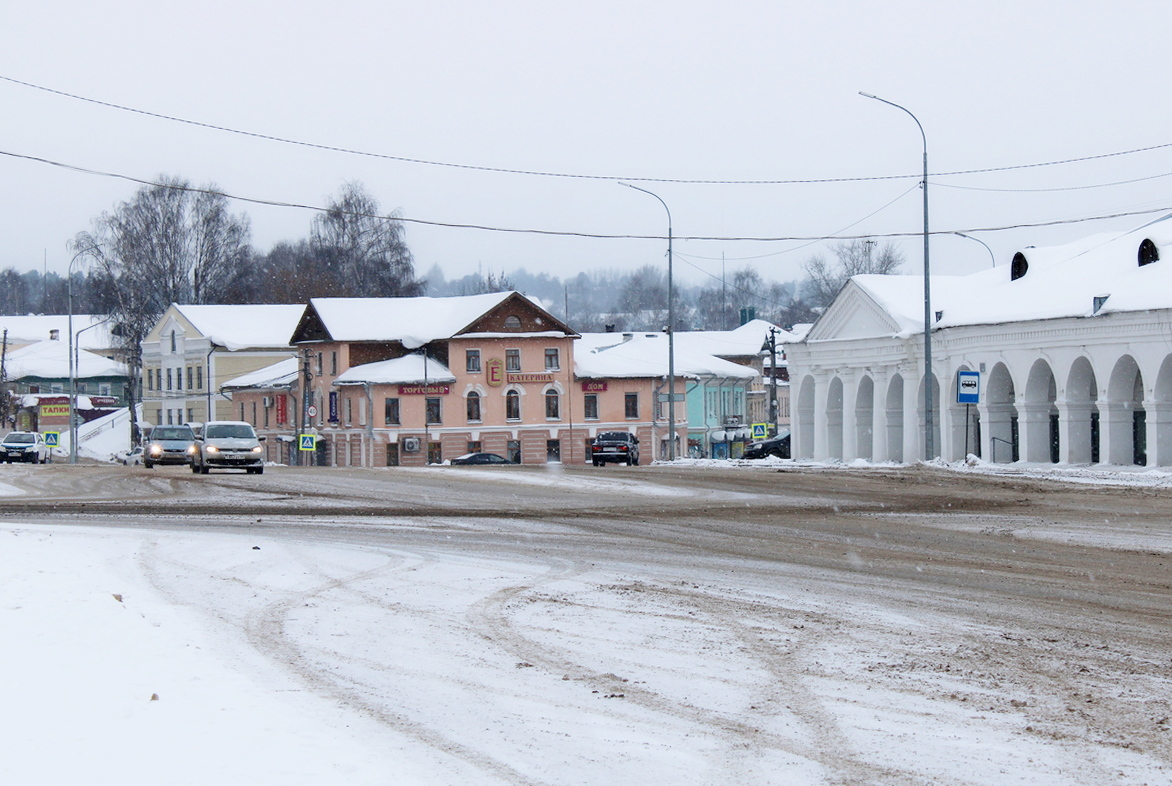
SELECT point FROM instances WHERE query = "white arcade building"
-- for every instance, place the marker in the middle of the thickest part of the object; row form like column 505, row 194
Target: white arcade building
column 1073, row 345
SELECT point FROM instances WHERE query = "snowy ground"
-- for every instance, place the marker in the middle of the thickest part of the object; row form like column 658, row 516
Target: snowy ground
column 427, row 650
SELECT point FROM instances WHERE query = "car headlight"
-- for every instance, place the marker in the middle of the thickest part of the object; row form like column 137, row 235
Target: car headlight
column 212, row 449
column 258, row 449
column 191, row 449
column 156, row 449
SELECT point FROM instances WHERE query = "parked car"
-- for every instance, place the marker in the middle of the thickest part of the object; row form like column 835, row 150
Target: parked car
column 479, row 459
column 169, row 445
column 228, row 444
column 615, row 446
column 24, row 446
column 130, row 458
column 774, row 446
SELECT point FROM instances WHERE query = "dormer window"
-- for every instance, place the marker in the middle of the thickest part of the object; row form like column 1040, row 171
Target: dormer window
column 1018, row 267
column 512, row 322
column 1148, row 253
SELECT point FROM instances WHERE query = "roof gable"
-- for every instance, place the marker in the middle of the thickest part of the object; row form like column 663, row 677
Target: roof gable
column 855, row 314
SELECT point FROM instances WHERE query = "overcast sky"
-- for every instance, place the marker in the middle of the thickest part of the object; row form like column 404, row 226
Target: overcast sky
column 666, row 90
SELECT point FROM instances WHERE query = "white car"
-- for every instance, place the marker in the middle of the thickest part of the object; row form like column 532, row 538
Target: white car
column 24, row 446
column 227, row 444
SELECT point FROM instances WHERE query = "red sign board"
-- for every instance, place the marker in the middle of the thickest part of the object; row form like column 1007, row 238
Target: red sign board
column 423, row 390
column 593, row 387
column 282, row 408
column 522, row 378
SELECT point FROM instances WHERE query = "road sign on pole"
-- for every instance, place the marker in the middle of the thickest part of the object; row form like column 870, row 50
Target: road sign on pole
column 52, row 438
column 968, row 387
column 760, row 430
column 308, row 442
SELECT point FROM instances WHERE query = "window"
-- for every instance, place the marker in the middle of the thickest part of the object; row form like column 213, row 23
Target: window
column 172, row 340
column 434, row 411
column 150, row 379
column 590, row 406
column 631, row 406
column 472, row 360
column 514, row 451
column 189, row 377
column 473, row 408
column 512, row 322
column 179, row 379
column 391, row 411
column 334, row 363
column 190, row 415
column 254, row 412
column 552, row 405
column 319, row 366
column 349, row 410
column 474, row 447
column 551, row 359
column 168, row 379
column 553, row 450
column 512, row 405
column 82, row 388
column 199, row 377
column 512, row 360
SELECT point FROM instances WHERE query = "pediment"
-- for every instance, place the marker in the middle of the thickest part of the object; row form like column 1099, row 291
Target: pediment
column 853, row 314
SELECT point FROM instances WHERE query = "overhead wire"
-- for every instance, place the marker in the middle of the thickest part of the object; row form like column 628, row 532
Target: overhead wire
column 569, row 233
column 553, row 174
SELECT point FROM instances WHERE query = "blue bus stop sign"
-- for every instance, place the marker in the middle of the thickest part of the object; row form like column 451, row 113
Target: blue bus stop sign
column 968, row 387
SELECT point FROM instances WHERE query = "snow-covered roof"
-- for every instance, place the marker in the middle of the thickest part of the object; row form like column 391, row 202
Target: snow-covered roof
column 39, row 327
column 744, row 341
column 639, row 355
column 1060, row 281
column 50, row 360
column 237, row 327
column 278, row 375
column 414, row 321
column 409, row 369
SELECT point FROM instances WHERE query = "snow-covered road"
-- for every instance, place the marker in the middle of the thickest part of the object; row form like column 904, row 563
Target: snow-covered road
column 529, row 651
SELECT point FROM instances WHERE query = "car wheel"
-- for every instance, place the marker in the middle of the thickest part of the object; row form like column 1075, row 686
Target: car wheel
column 194, row 470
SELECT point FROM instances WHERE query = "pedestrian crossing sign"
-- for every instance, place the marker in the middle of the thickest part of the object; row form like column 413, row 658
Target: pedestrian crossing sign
column 52, row 438
column 760, row 430
column 308, row 442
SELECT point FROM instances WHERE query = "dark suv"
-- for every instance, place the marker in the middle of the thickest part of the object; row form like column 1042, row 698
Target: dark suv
column 616, row 446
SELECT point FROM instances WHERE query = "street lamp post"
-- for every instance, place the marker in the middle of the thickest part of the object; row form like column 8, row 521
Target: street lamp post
column 671, row 335
column 929, row 420
column 72, row 363
column 992, row 256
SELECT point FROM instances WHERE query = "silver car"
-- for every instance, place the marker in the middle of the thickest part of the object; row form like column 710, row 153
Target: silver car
column 228, row 444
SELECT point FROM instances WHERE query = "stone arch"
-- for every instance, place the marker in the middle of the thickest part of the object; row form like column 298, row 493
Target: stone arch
column 1081, row 413
column 865, row 419
column 834, row 413
column 894, row 403
column 1002, row 409
column 1162, row 406
column 937, row 410
column 1126, row 426
column 1040, row 411
column 804, row 420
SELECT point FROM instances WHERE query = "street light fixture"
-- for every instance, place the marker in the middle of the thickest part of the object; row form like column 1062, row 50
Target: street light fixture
column 671, row 334
column 929, row 420
column 992, row 256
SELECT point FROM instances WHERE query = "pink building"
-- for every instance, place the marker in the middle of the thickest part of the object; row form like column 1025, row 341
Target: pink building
column 410, row 381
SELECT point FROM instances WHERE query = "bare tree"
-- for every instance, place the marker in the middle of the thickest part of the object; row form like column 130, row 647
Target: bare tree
column 857, row 257
column 360, row 252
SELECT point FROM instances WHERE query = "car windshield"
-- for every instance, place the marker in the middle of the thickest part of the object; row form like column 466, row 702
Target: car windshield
column 20, row 439
column 237, row 430
column 172, row 433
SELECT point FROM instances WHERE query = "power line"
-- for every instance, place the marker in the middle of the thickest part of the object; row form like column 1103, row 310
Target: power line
column 1057, row 188
column 567, row 233
column 566, row 175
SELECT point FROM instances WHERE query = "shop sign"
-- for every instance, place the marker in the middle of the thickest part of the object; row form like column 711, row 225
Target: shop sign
column 494, row 371
column 424, row 390
column 523, row 378
column 593, row 387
